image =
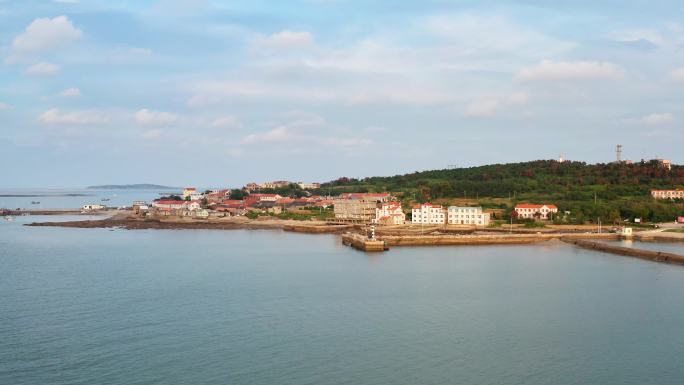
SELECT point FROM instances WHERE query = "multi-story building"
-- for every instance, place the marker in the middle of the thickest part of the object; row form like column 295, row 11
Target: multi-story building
column 467, row 216
column 191, row 192
column 170, row 204
column 358, row 206
column 535, row 211
column 308, row 186
column 389, row 213
column 668, row 194
column 428, row 213
column 275, row 184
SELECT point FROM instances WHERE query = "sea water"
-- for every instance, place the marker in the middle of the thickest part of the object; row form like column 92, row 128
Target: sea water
column 109, row 306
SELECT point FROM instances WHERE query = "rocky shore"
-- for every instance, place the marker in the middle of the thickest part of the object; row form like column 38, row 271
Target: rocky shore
column 131, row 223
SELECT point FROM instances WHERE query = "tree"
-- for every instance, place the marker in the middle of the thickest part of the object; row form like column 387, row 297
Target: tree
column 237, row 194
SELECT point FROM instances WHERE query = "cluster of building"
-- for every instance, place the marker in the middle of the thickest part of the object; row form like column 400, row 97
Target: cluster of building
column 193, row 203
column 281, row 184
column 428, row 213
column 377, row 208
column 382, row 209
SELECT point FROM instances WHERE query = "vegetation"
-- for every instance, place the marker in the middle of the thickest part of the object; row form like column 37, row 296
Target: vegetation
column 306, row 214
column 170, row 198
column 612, row 192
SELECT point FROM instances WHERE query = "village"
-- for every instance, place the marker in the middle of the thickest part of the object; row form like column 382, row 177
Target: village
column 381, row 209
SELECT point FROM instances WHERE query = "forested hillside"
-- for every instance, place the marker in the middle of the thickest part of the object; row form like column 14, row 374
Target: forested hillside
column 611, row 191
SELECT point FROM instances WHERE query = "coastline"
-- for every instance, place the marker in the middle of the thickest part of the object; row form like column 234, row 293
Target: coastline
column 354, row 235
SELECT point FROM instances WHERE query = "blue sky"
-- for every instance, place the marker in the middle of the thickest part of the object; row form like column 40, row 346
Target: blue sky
column 216, row 93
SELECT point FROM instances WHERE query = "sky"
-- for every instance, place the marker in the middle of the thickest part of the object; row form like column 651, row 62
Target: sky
column 222, row 93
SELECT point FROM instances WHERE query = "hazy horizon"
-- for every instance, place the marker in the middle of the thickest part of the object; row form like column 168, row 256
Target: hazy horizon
column 199, row 92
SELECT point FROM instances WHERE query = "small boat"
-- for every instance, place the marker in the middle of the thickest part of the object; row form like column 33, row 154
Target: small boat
column 105, row 200
column 35, row 202
column 9, row 218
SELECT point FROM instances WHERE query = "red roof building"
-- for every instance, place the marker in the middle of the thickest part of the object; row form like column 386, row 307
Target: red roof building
column 535, row 211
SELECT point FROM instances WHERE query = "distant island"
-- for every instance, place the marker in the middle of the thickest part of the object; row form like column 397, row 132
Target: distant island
column 139, row 186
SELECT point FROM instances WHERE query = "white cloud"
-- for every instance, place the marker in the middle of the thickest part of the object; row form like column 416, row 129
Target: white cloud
column 285, row 40
column 678, row 75
column 636, row 35
column 278, row 134
column 147, row 117
column 152, row 134
column 518, row 98
column 70, row 92
column 304, row 130
column 43, row 69
column 45, row 34
column 657, row 119
column 482, row 108
column 577, row 70
column 140, row 51
column 387, row 67
column 4, row 106
column 479, row 36
column 226, row 122
column 55, row 116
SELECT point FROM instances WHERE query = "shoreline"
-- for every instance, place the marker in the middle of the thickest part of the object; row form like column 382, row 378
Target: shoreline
column 354, row 235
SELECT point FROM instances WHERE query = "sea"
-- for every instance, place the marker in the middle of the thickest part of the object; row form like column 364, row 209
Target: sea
column 45, row 199
column 114, row 306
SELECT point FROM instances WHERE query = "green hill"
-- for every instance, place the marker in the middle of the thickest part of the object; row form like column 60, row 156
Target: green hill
column 610, row 191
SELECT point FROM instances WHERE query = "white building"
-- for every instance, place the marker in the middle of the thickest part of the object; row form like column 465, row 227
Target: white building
column 93, row 207
column 668, row 194
column 427, row 213
column 308, row 186
column 534, row 211
column 170, row 204
column 194, row 205
column 389, row 213
column 467, row 216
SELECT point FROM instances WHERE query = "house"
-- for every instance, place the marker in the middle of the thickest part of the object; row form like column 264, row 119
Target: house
column 308, row 186
column 217, row 195
column 325, row 203
column 535, row 211
column 251, row 186
column 189, row 192
column 140, row 208
column 467, row 216
column 427, row 213
column 390, row 213
column 263, row 197
column 668, row 194
column 194, row 205
column 232, row 207
column 202, row 214
column 664, row 163
column 275, row 184
column 358, row 206
column 170, row 204
column 93, row 207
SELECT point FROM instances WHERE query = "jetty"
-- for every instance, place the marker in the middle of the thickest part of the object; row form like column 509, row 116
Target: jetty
column 649, row 255
column 363, row 243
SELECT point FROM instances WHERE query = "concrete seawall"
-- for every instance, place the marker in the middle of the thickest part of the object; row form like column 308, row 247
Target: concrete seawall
column 650, row 255
column 494, row 239
column 362, row 243
column 322, row 229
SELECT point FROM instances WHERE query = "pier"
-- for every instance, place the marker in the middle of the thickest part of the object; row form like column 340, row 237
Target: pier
column 649, row 255
column 363, row 243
